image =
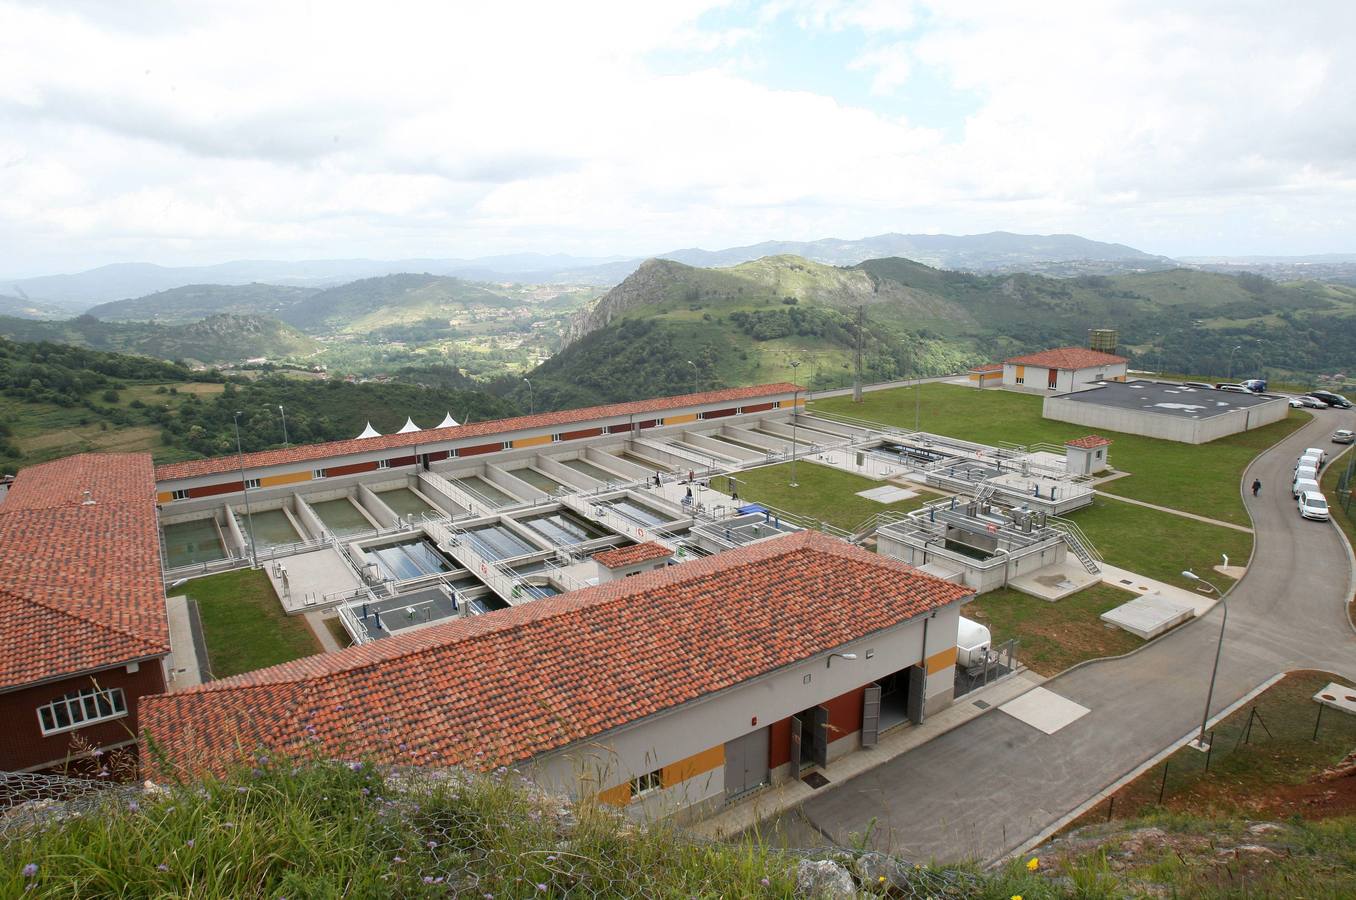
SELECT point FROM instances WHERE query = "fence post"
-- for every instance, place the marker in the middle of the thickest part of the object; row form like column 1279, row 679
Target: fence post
column 1111, row 807
column 1209, row 749
column 1317, row 720
column 1163, row 785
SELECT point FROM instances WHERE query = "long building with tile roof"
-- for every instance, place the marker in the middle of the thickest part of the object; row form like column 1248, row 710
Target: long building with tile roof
column 83, row 624
column 653, row 677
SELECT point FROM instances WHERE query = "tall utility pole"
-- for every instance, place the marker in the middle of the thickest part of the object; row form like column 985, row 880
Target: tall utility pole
column 857, row 355
column 696, row 373
column 795, row 407
column 283, row 413
column 531, row 399
column 244, row 487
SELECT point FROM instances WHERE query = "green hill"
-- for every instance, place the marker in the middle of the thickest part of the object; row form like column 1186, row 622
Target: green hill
column 221, row 338
column 193, row 302
column 749, row 322
column 362, row 306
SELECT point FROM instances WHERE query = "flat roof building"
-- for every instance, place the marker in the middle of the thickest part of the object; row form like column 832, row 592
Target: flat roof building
column 1165, row 410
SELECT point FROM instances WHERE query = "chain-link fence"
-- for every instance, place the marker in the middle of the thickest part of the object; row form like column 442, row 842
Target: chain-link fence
column 324, row 829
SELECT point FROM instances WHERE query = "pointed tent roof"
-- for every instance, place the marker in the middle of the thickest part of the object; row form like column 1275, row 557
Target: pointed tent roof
column 408, row 427
column 369, row 432
column 448, row 422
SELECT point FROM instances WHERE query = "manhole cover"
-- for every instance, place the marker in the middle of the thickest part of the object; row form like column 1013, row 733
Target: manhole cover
column 981, row 704
column 815, row 780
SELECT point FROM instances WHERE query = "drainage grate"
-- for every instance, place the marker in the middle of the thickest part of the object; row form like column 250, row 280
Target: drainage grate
column 980, row 704
column 815, row 780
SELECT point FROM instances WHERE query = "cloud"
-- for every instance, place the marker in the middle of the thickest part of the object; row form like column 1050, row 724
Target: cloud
column 178, row 134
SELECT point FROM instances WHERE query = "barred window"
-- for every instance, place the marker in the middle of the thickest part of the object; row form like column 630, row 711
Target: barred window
column 647, row 783
column 80, row 708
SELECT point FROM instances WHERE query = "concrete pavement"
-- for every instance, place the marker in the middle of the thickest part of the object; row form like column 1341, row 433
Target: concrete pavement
column 995, row 784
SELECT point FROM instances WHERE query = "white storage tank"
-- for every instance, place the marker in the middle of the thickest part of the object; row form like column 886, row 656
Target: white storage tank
column 972, row 643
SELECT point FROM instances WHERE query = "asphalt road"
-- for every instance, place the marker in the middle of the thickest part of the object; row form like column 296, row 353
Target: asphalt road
column 988, row 787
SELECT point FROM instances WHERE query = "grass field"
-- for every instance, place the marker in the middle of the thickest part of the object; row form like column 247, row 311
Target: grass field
column 1202, row 479
column 1055, row 635
column 829, row 495
column 1159, row 544
column 244, row 625
column 1270, row 770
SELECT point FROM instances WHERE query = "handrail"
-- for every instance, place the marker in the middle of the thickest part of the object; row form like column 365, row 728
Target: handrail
column 1059, row 523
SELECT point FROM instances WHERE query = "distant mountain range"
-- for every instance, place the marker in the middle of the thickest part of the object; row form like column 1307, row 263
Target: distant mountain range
column 1057, row 255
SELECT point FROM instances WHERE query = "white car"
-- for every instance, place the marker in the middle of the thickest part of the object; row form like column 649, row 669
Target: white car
column 1344, row 436
column 1308, row 462
column 1311, row 402
column 1295, row 403
column 1302, row 486
column 1312, row 505
column 1316, row 451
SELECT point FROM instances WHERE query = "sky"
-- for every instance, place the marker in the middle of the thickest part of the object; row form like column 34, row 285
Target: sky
column 186, row 133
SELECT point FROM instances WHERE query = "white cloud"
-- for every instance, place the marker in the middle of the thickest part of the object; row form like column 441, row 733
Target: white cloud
column 157, row 131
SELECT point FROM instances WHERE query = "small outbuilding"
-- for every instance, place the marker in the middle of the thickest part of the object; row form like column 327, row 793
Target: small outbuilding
column 1086, row 455
column 624, row 562
column 1064, row 369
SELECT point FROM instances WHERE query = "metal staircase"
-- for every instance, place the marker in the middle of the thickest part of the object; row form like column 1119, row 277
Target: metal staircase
column 1079, row 543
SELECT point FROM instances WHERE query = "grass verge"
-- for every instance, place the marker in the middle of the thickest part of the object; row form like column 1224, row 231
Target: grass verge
column 244, row 626
column 338, row 632
column 827, row 494
column 1265, row 763
column 1201, row 479
column 1055, row 636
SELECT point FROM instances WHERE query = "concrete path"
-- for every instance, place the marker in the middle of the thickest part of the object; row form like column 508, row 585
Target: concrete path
column 316, row 620
column 995, row 784
column 1176, row 512
column 186, row 670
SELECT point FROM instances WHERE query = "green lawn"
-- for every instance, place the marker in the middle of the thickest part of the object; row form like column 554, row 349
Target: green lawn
column 1054, row 635
column 829, row 495
column 1160, row 545
column 244, row 625
column 1203, row 479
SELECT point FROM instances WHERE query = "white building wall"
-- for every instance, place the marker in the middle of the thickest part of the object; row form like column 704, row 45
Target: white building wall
column 590, row 766
column 1170, row 428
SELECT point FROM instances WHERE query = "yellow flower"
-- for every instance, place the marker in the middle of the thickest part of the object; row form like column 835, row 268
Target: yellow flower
column 1033, row 863
column 1016, row 897
column 881, row 879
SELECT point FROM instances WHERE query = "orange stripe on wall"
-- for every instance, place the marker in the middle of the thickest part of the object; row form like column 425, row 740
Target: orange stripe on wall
column 290, row 478
column 164, row 497
column 617, row 796
column 940, row 661
column 694, row 765
column 533, row 441
column 679, row 420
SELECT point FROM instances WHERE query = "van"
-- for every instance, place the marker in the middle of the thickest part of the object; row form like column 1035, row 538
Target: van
column 1316, row 451
column 1308, row 460
column 1256, row 385
column 1303, row 484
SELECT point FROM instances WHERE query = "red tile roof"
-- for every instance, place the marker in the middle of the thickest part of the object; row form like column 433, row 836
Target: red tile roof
column 1091, row 442
column 1068, row 358
column 503, row 687
column 80, row 584
column 309, row 452
column 629, row 556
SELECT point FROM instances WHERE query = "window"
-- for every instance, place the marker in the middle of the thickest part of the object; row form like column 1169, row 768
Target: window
column 80, row 708
column 659, row 421
column 647, row 783
column 506, row 445
column 181, row 494
column 383, row 464
column 317, row 473
column 251, row 483
column 555, row 439
column 776, row 404
column 1021, row 379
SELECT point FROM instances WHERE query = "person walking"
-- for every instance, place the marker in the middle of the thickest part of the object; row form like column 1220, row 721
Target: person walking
column 1256, row 486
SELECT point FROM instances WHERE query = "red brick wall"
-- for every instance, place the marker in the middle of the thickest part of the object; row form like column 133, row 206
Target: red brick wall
column 211, row 490
column 581, row 433
column 22, row 744
column 479, row 449
column 351, row 469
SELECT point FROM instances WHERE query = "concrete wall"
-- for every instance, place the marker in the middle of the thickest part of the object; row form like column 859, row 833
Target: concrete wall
column 608, row 761
column 1166, row 427
column 981, row 579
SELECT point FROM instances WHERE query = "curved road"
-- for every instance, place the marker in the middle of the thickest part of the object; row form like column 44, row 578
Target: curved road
column 992, row 785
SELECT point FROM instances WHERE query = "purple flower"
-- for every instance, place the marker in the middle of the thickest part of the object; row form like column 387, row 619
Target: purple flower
column 432, row 844
column 30, row 870
column 162, row 867
column 133, row 806
column 227, row 824
column 428, row 879
column 188, row 843
column 242, row 790
column 398, row 860
column 257, row 773
column 541, row 887
column 766, row 883
column 356, row 766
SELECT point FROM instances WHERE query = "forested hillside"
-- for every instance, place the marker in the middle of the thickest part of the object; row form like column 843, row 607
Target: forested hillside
column 217, row 339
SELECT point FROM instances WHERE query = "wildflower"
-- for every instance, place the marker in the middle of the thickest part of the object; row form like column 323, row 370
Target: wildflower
column 550, row 857
column 1016, row 897
column 428, row 879
column 432, row 844
column 541, row 887
column 262, row 760
column 256, row 773
column 398, row 860
column 880, row 880
column 766, row 882
column 355, row 766
column 30, row 870
column 1033, row 863
column 242, row 790
column 188, row 843
column 162, row 868
column 133, row 806
column 227, row 824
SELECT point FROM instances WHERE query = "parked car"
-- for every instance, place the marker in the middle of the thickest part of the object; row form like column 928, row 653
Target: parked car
column 1316, row 451
column 1332, row 399
column 1198, row 384
column 1308, row 462
column 1236, row 388
column 1344, row 436
column 1301, row 485
column 1309, row 402
column 1312, row 505
column 1256, row 385
column 1295, row 403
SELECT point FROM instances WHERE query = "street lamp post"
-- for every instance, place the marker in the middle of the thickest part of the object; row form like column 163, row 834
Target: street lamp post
column 1231, row 361
column 795, row 406
column 283, row 413
column 244, row 487
column 531, row 399
column 696, row 373
column 1219, row 648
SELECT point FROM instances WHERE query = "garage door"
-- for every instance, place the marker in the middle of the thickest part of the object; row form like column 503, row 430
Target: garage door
column 746, row 763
